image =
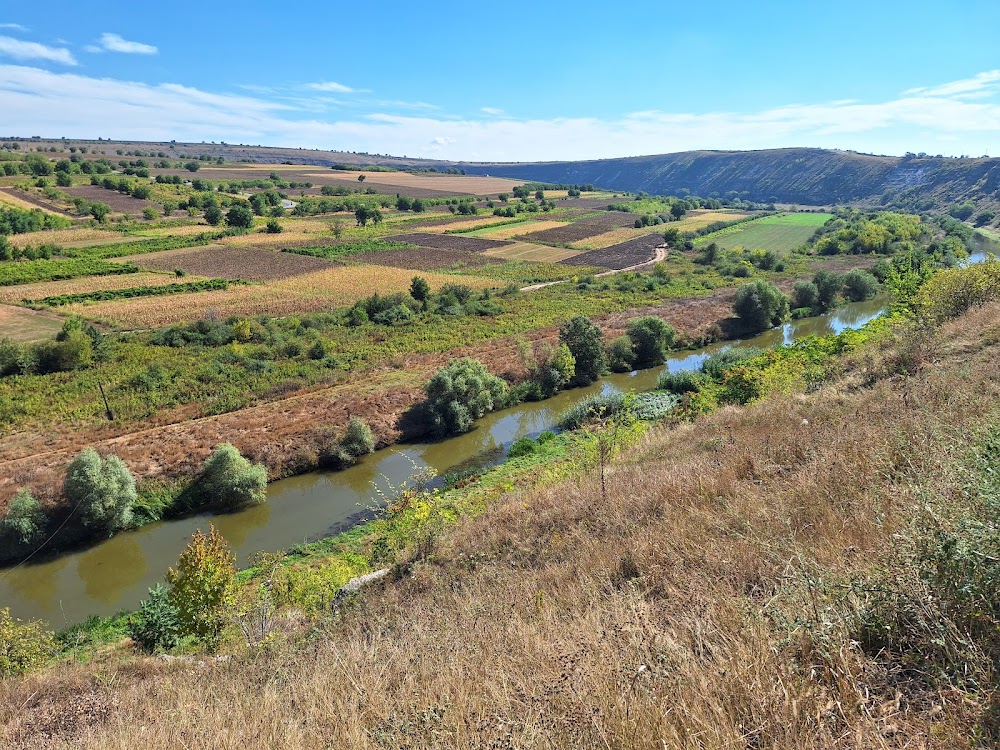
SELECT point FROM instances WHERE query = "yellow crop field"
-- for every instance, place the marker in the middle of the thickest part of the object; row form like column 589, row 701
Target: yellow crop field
column 9, row 198
column 73, row 237
column 601, row 241
column 312, row 292
column 181, row 231
column 531, row 251
column 697, row 219
column 516, row 230
column 89, row 284
column 466, row 224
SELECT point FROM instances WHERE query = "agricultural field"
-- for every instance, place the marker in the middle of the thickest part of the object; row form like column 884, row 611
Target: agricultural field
column 404, row 182
column 319, row 291
column 579, row 230
column 73, row 237
column 449, row 242
column 614, row 237
column 469, row 225
column 698, row 219
column 14, row 294
column 533, row 252
column 624, row 255
column 21, row 324
column 219, row 261
column 782, row 233
column 425, row 259
column 17, row 200
column 515, row 229
column 119, row 202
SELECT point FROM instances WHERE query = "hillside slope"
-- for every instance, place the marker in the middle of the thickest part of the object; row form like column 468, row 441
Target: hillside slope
column 793, row 175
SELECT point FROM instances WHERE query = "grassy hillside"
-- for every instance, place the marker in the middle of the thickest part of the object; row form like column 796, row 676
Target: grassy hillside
column 793, row 175
column 813, row 571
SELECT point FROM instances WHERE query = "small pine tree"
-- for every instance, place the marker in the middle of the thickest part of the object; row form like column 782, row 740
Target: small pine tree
column 203, row 586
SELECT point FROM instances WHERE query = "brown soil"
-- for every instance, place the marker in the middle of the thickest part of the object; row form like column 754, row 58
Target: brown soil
column 623, row 255
column 450, row 242
column 119, row 202
column 223, row 262
column 582, row 229
column 425, row 259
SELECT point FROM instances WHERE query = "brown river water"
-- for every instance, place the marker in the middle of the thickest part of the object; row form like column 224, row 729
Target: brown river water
column 115, row 574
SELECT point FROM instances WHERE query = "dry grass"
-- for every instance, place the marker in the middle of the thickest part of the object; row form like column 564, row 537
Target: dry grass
column 19, row 324
column 531, row 251
column 454, row 184
column 516, row 230
column 614, row 237
column 310, row 292
column 88, row 284
column 701, row 218
column 10, row 198
column 654, row 617
column 74, row 237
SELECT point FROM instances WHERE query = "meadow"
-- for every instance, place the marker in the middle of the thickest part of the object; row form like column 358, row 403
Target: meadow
column 782, row 233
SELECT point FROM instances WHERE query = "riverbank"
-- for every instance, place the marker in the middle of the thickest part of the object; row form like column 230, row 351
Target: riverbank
column 753, row 571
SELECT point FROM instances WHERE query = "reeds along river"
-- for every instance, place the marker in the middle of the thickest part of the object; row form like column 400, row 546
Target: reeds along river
column 116, row 574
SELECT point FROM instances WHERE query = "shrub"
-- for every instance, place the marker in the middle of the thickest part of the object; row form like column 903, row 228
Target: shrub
column 156, row 626
column 23, row 645
column 859, row 285
column 621, row 354
column 596, row 407
column 586, row 343
column 760, row 305
column 651, row 337
column 203, row 586
column 828, row 286
column 273, row 227
column 228, row 480
column 462, row 391
column 948, row 294
column 24, row 525
column 717, row 364
column 102, row 489
column 359, row 440
column 805, row 294
column 684, row 381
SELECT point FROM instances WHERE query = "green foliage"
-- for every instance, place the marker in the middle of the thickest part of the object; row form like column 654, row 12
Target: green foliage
column 459, row 393
column 805, row 294
column 23, row 527
column 19, row 221
column 683, row 381
column 621, row 354
column 29, row 271
column 23, row 645
column 859, row 285
column 203, row 587
column 347, row 249
column 651, row 338
column 103, row 490
column 213, row 215
column 136, row 291
column 949, row 293
column 239, row 217
column 228, row 480
column 358, row 440
column 156, row 626
column 596, row 407
column 585, row 342
column 420, row 290
column 273, row 226
column 716, row 365
column 760, row 305
column 828, row 286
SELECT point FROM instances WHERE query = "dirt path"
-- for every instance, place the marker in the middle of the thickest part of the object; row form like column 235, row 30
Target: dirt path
column 659, row 255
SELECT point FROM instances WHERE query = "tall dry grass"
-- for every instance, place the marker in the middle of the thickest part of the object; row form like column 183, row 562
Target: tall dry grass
column 690, row 608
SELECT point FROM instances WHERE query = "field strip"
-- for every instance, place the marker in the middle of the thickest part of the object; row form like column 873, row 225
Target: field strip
column 42, row 289
column 8, row 197
column 533, row 252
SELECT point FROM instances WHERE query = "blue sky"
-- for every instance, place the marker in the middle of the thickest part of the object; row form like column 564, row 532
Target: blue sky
column 511, row 82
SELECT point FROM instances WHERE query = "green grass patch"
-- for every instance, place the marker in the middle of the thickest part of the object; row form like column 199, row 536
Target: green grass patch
column 28, row 271
column 781, row 233
column 136, row 291
column 347, row 249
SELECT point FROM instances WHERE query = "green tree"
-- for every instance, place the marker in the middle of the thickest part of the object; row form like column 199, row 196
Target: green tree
column 227, row 480
column 213, row 214
column 828, row 286
column 805, row 294
column 859, row 285
column 621, row 354
column 100, row 210
column 203, row 586
column 563, row 367
column 358, row 440
column 102, row 489
column 273, row 226
column 156, row 626
column 23, row 527
column 461, row 392
column 760, row 305
column 420, row 290
column 651, row 337
column 240, row 217
column 585, row 342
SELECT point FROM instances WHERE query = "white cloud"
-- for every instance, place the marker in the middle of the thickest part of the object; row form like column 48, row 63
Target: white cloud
column 496, row 112
column 21, row 50
column 115, row 43
column 13, row 26
column 331, row 87
column 983, row 84
column 40, row 101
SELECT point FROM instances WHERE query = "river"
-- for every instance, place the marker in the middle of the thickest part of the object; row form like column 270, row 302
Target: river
column 116, row 574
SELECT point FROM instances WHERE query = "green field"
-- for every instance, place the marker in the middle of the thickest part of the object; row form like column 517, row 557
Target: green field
column 782, row 233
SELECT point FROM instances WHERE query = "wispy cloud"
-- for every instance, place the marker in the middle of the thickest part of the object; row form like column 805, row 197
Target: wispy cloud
column 331, row 87
column 13, row 26
column 934, row 119
column 493, row 111
column 976, row 87
column 116, row 43
column 21, row 50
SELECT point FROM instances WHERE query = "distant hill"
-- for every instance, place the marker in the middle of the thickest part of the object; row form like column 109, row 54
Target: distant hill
column 790, row 175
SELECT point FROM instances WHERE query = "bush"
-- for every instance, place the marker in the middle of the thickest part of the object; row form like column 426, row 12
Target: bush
column 681, row 382
column 156, row 626
column 651, row 337
column 228, row 480
column 859, row 285
column 621, row 354
column 805, row 294
column 760, row 305
column 203, row 587
column 359, row 440
column 240, row 217
column 828, row 286
column 273, row 227
column 23, row 645
column 102, row 489
column 23, row 527
column 461, row 392
column 717, row 364
column 586, row 343
column 595, row 407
